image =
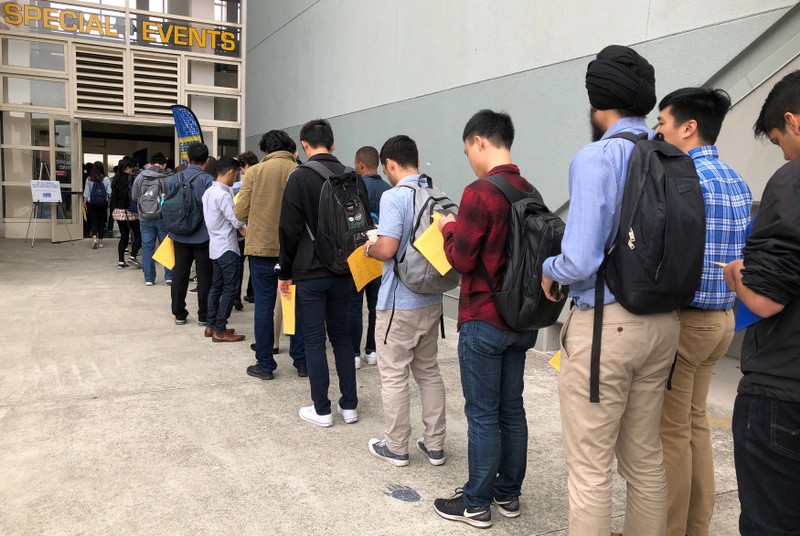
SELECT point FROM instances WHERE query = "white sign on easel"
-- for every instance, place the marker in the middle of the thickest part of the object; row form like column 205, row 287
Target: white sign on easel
column 46, row 191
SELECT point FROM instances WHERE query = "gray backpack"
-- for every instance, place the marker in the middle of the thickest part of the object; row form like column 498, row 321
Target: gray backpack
column 410, row 266
column 150, row 196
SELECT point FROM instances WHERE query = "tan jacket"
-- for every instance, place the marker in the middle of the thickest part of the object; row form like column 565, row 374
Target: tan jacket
column 259, row 202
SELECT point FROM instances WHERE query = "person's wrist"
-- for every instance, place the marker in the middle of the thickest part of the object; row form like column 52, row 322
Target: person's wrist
column 366, row 250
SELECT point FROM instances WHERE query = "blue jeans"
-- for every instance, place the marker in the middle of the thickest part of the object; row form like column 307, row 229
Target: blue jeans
column 222, row 291
column 766, row 451
column 150, row 231
column 492, row 370
column 323, row 306
column 265, row 290
column 355, row 315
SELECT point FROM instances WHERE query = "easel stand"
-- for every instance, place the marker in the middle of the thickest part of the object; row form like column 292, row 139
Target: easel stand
column 36, row 208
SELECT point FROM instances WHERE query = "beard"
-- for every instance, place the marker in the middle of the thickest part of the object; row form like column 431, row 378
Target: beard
column 597, row 130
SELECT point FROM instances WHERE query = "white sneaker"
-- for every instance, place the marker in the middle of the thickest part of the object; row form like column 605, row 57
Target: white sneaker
column 349, row 415
column 94, row 244
column 371, row 358
column 310, row 415
column 358, row 362
column 148, row 283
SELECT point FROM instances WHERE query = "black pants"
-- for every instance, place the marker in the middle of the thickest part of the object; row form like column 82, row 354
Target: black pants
column 97, row 217
column 185, row 254
column 125, row 229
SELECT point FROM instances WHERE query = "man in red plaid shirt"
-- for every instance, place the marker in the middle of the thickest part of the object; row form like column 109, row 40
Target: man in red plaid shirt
column 492, row 356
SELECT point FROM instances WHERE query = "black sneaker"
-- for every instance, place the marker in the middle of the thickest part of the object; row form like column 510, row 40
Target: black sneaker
column 258, row 372
column 436, row 457
column 193, row 289
column 238, row 305
column 455, row 509
column 507, row 506
column 253, row 346
column 379, row 449
column 249, row 299
column 302, row 371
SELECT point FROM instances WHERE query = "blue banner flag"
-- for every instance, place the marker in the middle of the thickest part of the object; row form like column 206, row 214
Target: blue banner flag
column 188, row 129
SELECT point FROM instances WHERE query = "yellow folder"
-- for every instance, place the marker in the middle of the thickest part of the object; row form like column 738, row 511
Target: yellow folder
column 287, row 307
column 363, row 269
column 165, row 254
column 431, row 245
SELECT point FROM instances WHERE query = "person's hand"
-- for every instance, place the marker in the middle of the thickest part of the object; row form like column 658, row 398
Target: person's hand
column 243, row 230
column 444, row 220
column 368, row 244
column 551, row 289
column 733, row 272
column 284, row 288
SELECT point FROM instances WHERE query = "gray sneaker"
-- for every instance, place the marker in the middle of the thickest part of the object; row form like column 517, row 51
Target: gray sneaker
column 436, row 457
column 379, row 449
column 507, row 506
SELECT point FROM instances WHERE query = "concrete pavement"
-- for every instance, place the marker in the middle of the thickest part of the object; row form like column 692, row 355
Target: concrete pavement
column 115, row 421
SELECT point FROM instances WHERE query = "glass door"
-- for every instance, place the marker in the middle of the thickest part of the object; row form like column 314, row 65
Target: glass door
column 67, row 223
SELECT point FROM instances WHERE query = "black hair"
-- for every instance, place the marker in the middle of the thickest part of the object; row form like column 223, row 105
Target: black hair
column 124, row 164
column 211, row 166
column 276, row 140
column 158, row 158
column 97, row 172
column 317, row 133
column 706, row 106
column 197, row 153
column 247, row 158
column 368, row 155
column 292, row 146
column 783, row 97
column 496, row 127
column 402, row 150
column 227, row 163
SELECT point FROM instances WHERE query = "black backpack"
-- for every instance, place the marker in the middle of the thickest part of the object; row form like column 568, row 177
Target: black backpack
column 656, row 260
column 181, row 213
column 343, row 219
column 534, row 234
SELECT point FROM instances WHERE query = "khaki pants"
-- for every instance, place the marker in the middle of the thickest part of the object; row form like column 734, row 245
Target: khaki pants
column 637, row 352
column 705, row 337
column 412, row 344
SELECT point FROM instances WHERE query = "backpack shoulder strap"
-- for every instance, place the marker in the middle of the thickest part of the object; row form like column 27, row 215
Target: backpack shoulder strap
column 630, row 136
column 319, row 168
column 512, row 193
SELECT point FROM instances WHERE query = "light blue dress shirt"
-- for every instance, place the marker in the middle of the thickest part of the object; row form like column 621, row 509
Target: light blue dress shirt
column 220, row 220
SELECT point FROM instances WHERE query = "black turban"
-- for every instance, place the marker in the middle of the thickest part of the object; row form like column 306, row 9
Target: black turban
column 621, row 79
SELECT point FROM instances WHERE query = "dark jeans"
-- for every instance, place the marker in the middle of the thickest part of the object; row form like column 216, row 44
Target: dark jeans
column 125, row 229
column 185, row 254
column 240, row 275
column 265, row 290
column 97, row 218
column 223, row 290
column 355, row 315
column 492, row 378
column 323, row 306
column 766, row 450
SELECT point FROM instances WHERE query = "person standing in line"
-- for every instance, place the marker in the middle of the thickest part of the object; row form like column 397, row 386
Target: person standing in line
column 691, row 119
column 96, row 194
column 637, row 350
column 322, row 295
column 192, row 248
column 246, row 159
column 120, row 204
column 223, row 250
column 366, row 165
column 491, row 355
column 260, row 205
column 149, row 189
column 766, row 414
column 409, row 320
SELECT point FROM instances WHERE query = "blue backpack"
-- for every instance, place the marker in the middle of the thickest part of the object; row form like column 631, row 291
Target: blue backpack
column 98, row 197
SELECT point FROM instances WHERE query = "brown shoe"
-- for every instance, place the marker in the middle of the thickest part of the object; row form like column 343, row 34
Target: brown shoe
column 226, row 336
column 210, row 331
column 616, row 534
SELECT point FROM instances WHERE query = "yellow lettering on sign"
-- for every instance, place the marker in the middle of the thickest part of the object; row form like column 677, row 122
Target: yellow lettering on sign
column 32, row 13
column 93, row 25
column 109, row 31
column 62, row 21
column 12, row 14
column 180, row 36
column 214, row 34
column 196, row 36
column 228, row 41
column 148, row 29
column 165, row 37
column 49, row 19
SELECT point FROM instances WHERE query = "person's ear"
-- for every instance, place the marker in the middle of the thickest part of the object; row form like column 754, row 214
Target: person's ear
column 792, row 122
column 689, row 128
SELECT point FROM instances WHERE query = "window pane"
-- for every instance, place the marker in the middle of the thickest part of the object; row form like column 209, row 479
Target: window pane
column 205, row 73
column 25, row 128
column 216, row 108
column 218, row 10
column 17, row 202
column 23, row 53
column 24, row 165
column 34, row 92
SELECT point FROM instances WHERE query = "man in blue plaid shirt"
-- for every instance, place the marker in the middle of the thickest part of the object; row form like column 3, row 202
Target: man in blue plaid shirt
column 691, row 119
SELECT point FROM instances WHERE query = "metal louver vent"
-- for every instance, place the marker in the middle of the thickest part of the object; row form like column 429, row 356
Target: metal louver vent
column 100, row 85
column 155, row 85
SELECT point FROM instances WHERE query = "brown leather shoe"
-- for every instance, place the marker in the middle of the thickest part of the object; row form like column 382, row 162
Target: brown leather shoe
column 210, row 331
column 226, row 336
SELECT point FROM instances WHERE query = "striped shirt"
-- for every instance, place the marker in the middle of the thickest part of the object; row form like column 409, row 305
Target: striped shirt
column 728, row 202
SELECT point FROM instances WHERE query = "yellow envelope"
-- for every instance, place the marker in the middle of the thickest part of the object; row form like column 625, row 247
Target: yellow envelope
column 165, row 254
column 723, row 264
column 363, row 269
column 431, row 245
column 236, row 198
column 555, row 361
column 287, row 307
